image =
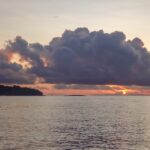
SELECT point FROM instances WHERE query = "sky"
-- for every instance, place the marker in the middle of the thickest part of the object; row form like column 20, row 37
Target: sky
column 38, row 57
column 41, row 20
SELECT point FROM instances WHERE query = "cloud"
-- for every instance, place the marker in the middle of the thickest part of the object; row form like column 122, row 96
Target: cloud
column 13, row 74
column 82, row 57
column 81, row 87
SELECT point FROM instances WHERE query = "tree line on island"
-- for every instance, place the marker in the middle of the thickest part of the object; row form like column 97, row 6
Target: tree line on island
column 18, row 91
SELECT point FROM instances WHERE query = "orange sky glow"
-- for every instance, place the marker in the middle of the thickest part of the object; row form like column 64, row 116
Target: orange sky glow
column 49, row 89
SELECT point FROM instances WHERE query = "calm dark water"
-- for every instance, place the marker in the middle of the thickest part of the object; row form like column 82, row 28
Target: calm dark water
column 75, row 123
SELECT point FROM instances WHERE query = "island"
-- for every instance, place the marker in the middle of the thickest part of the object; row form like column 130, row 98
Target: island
column 18, row 91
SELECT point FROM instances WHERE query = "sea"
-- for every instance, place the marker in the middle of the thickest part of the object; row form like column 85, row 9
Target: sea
column 75, row 123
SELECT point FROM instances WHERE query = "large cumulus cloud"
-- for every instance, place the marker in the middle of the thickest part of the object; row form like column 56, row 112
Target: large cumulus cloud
column 83, row 57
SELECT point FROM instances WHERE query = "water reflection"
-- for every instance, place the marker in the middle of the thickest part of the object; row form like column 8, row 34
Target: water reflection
column 62, row 123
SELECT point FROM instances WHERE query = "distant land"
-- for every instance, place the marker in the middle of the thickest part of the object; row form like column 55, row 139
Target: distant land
column 75, row 95
column 18, row 91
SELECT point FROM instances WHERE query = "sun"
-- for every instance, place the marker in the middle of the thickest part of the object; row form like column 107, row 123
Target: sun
column 124, row 92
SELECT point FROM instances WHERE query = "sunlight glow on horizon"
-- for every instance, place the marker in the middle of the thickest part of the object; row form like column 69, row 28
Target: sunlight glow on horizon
column 49, row 89
column 124, row 92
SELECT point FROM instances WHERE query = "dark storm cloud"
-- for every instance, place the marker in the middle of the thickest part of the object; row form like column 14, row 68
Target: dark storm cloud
column 27, row 51
column 31, row 53
column 13, row 73
column 84, row 57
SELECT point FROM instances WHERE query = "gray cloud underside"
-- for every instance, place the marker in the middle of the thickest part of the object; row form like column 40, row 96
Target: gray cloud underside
column 79, row 57
column 81, row 87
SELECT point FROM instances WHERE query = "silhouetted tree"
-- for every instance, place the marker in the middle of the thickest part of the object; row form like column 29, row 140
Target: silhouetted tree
column 18, row 91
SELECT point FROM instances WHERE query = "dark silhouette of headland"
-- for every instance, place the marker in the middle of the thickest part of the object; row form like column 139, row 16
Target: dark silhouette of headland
column 18, row 91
